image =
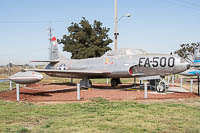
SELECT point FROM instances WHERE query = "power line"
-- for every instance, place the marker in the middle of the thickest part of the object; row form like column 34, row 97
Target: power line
column 48, row 21
column 13, row 21
column 190, row 3
column 187, row 4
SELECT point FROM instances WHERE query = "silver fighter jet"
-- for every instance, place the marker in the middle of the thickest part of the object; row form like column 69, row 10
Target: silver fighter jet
column 124, row 63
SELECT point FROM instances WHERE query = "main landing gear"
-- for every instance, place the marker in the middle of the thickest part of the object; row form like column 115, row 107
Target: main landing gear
column 85, row 82
column 115, row 82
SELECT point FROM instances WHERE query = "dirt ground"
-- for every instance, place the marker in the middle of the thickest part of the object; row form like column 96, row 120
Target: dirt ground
column 68, row 93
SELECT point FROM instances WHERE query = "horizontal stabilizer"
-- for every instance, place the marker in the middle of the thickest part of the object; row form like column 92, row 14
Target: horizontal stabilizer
column 196, row 61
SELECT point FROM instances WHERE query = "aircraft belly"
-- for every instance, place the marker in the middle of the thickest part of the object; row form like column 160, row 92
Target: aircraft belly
column 64, row 75
column 121, row 74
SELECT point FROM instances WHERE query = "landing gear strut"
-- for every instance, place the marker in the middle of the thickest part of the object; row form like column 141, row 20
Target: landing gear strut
column 85, row 82
column 115, row 82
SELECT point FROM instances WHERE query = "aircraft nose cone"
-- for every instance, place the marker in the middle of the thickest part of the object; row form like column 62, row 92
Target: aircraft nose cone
column 185, row 63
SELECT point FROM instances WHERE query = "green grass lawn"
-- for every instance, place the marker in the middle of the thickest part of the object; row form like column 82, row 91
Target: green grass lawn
column 4, row 86
column 98, row 116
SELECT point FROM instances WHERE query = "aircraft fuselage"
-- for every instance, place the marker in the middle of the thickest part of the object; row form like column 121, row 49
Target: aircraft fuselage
column 123, row 66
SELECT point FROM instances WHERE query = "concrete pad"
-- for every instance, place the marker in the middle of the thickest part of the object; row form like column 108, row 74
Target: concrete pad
column 177, row 89
column 171, row 90
column 155, row 92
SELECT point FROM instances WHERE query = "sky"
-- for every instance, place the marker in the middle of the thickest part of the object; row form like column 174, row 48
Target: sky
column 156, row 26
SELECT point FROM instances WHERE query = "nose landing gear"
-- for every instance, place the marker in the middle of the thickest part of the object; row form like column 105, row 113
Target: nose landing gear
column 162, row 86
column 159, row 85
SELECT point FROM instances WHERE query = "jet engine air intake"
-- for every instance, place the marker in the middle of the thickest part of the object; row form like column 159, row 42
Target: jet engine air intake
column 131, row 69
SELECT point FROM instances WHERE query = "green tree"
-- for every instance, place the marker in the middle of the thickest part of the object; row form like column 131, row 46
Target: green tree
column 86, row 40
column 187, row 50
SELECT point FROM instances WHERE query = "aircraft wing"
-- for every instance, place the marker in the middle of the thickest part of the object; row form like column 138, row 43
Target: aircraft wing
column 73, row 72
column 50, row 61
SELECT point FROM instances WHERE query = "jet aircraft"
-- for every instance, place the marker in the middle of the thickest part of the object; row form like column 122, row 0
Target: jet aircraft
column 195, row 64
column 124, row 63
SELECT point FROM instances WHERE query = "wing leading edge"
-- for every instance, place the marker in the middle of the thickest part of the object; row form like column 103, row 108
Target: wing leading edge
column 74, row 72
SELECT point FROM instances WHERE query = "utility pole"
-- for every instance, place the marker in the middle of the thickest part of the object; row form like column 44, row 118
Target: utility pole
column 116, row 22
column 9, row 68
column 116, row 33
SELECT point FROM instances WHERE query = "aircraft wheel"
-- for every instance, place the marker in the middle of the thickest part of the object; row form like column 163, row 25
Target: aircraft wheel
column 114, row 82
column 161, row 87
column 119, row 81
column 90, row 83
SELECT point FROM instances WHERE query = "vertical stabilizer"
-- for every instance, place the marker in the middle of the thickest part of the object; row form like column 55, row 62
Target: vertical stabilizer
column 54, row 55
column 197, row 56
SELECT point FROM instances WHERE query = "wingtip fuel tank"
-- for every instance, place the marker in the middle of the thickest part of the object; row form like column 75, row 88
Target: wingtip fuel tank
column 27, row 77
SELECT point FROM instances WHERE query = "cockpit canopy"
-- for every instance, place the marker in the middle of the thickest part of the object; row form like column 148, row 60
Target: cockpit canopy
column 125, row 52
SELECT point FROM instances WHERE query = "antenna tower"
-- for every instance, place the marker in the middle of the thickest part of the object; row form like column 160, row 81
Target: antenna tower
column 50, row 29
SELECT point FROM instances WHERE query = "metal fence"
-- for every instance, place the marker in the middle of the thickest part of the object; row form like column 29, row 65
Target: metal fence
column 188, row 83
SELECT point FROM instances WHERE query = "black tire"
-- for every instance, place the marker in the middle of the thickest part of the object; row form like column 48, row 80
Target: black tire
column 119, row 81
column 114, row 82
column 90, row 82
column 161, row 90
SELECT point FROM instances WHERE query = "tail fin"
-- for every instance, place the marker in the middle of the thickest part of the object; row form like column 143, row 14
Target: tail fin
column 53, row 51
column 196, row 58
